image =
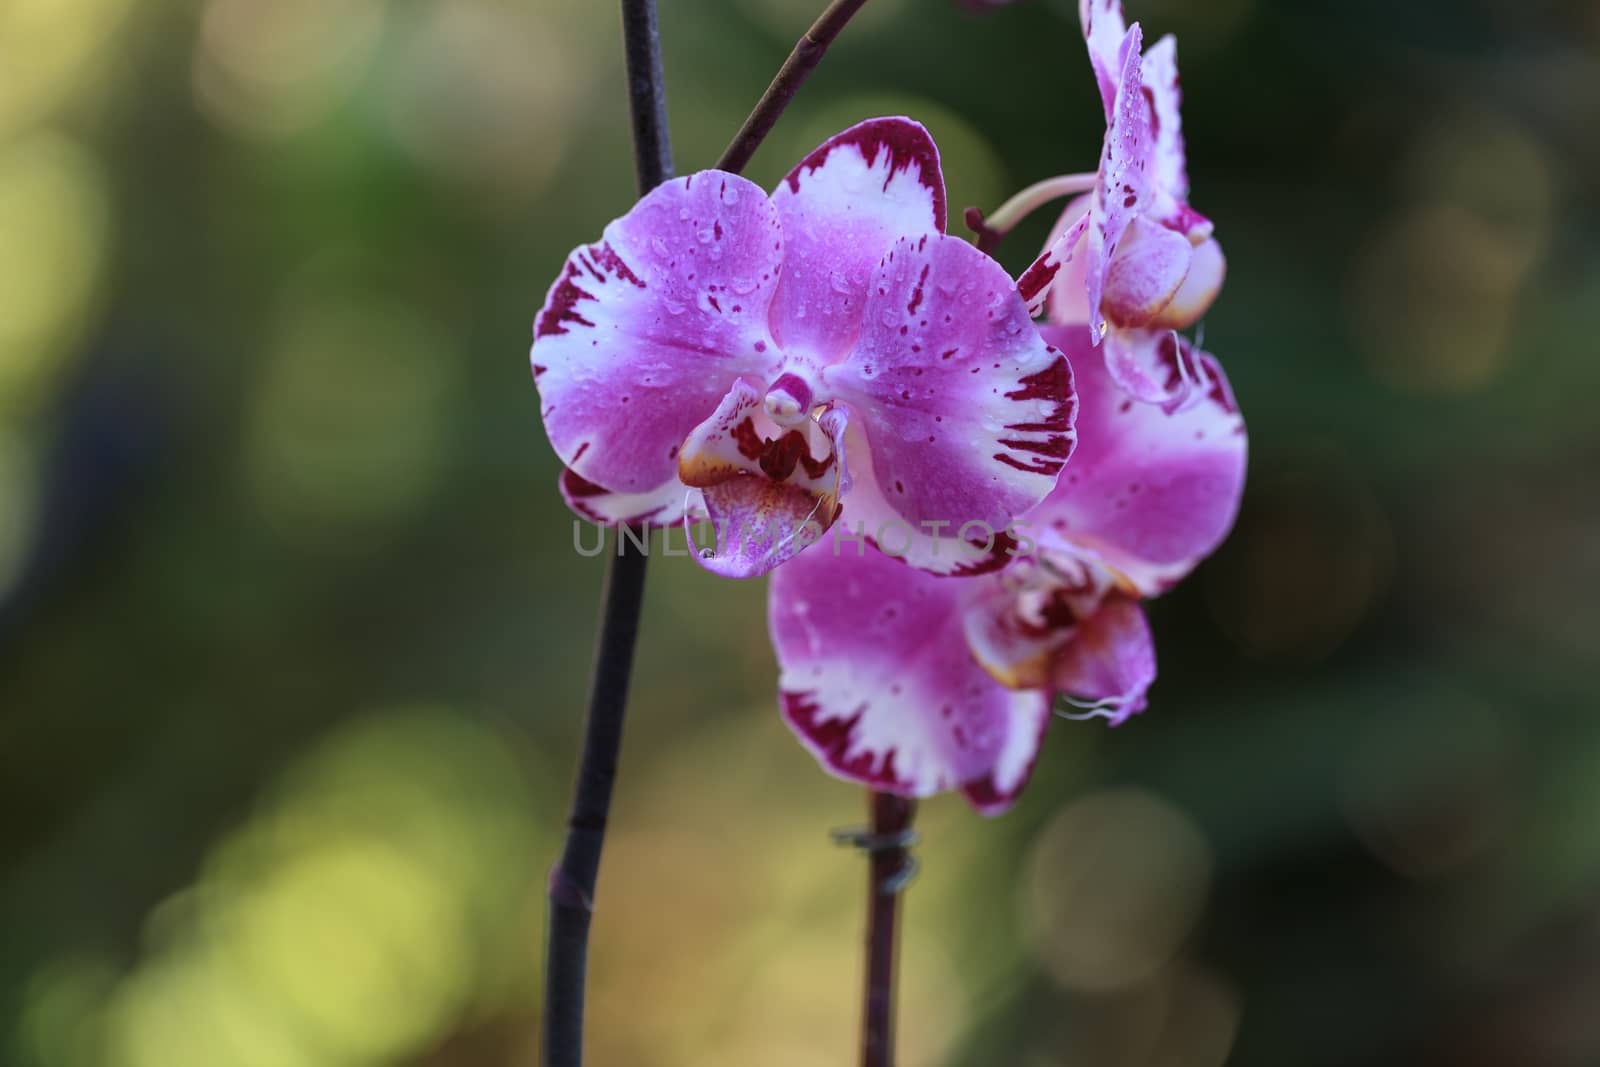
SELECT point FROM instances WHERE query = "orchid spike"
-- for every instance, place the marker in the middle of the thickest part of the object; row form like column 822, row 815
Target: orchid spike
column 778, row 355
column 1130, row 258
column 916, row 684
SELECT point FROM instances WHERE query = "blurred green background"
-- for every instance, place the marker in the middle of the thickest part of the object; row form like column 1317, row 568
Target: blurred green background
column 293, row 641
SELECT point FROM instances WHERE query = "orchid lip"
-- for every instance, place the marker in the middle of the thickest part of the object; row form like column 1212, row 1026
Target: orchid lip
column 788, row 402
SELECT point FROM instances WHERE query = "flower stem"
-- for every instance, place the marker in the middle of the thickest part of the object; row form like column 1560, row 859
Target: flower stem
column 572, row 881
column 1006, row 217
column 808, row 52
column 891, row 819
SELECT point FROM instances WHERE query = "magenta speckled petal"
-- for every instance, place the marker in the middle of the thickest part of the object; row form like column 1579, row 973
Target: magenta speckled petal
column 1110, row 661
column 841, row 209
column 1149, row 269
column 967, row 412
column 666, row 505
column 1123, row 189
column 1159, row 70
column 1150, row 493
column 1103, row 30
column 877, row 681
column 643, row 332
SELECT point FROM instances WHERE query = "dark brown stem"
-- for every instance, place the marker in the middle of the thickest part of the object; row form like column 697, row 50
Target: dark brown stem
column 891, row 821
column 808, row 52
column 572, row 881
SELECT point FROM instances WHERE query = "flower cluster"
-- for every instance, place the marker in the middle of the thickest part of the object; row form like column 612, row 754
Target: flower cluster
column 828, row 355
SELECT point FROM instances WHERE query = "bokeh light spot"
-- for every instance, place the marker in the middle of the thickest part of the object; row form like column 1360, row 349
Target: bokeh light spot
column 54, row 225
column 1113, row 887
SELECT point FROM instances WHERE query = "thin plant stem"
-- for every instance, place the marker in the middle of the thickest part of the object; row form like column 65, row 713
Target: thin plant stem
column 572, row 881
column 808, row 52
column 992, row 229
column 891, row 821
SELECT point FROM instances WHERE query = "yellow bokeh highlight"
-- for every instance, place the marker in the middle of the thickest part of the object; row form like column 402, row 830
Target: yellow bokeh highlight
column 271, row 70
column 353, row 922
column 54, row 227
column 49, row 51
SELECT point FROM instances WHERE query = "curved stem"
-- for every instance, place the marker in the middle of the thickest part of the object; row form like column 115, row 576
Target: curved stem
column 808, row 52
column 572, row 881
column 1006, row 217
column 891, row 819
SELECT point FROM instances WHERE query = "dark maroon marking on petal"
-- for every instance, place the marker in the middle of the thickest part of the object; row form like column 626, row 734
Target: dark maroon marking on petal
column 1042, row 466
column 1155, row 116
column 985, row 796
column 1000, row 554
column 716, row 226
column 538, row 369
column 579, row 453
column 607, row 257
column 832, row 740
column 560, row 309
column 1052, row 383
column 906, row 144
column 748, row 440
column 916, row 293
column 713, row 302
column 1037, row 278
column 1221, row 393
column 576, row 489
column 1059, row 446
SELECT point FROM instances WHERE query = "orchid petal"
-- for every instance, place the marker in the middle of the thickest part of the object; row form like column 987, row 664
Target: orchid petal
column 1068, row 294
column 1123, row 189
column 1110, row 661
column 877, row 683
column 1103, row 31
column 1150, row 267
column 769, row 491
column 1207, row 269
column 664, row 505
column 642, row 332
column 967, row 412
column 1149, row 492
column 1153, row 367
column 842, row 208
column 1012, row 647
column 1160, row 77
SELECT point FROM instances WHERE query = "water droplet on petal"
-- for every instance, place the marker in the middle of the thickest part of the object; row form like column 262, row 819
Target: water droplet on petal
column 673, row 307
column 744, row 286
column 659, row 247
column 705, row 235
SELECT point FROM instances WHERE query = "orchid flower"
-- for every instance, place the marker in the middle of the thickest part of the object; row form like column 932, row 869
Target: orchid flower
column 916, row 684
column 1130, row 258
column 760, row 359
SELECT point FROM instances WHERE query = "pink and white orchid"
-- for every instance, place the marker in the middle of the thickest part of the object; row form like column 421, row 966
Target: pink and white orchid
column 764, row 357
column 916, row 684
column 1131, row 258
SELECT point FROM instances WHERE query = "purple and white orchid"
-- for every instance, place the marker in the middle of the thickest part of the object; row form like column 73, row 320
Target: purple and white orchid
column 1130, row 258
column 759, row 359
column 916, row 684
